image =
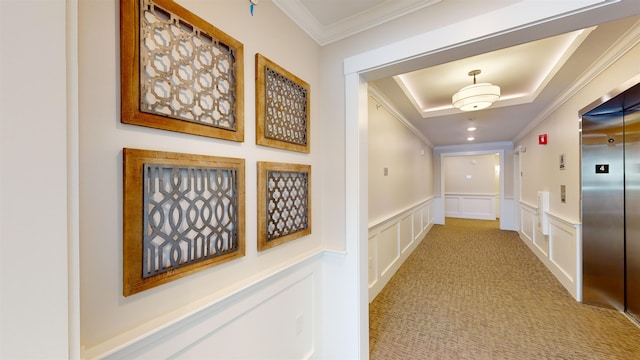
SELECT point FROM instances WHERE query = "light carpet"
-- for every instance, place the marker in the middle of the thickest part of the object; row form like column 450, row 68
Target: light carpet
column 472, row 291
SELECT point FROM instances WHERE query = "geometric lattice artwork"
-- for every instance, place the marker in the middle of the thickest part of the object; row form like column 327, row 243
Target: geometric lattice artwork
column 282, row 107
column 190, row 216
column 284, row 203
column 181, row 73
column 182, row 213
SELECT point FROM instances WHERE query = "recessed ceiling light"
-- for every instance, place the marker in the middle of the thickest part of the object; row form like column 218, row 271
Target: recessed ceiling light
column 471, row 128
column 470, row 138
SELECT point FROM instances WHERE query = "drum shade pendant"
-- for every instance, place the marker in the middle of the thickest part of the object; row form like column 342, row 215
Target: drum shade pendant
column 475, row 96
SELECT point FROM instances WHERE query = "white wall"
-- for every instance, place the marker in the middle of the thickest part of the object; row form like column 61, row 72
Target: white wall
column 561, row 249
column 408, row 162
column 472, row 186
column 347, row 65
column 472, row 174
column 400, row 198
column 504, row 202
column 34, row 142
column 110, row 320
column 461, row 152
column 540, row 163
column 34, row 313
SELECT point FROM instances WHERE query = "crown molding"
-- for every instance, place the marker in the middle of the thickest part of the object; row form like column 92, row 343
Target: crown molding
column 324, row 34
column 625, row 43
column 376, row 94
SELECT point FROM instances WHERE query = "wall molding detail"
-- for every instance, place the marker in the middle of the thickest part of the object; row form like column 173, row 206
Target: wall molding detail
column 377, row 95
column 206, row 328
column 470, row 206
column 617, row 50
column 393, row 239
column 560, row 251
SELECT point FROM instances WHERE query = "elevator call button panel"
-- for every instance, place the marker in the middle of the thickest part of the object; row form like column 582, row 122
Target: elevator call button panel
column 602, row 168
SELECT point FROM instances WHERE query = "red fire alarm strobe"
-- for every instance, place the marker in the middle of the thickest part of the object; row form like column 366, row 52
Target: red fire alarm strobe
column 542, row 139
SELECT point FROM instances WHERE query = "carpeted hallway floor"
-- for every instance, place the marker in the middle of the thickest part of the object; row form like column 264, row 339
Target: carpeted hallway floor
column 472, row 291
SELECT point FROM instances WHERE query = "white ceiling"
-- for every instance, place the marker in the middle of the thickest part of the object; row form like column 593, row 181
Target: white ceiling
column 327, row 21
column 531, row 75
column 521, row 71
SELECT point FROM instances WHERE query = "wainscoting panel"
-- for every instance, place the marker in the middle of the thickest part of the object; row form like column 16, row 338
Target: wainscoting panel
column 560, row 251
column 527, row 221
column 452, row 206
column 562, row 248
column 393, row 239
column 277, row 316
column 406, row 232
column 373, row 264
column 471, row 206
column 418, row 223
column 427, row 216
column 541, row 241
column 507, row 213
column 388, row 248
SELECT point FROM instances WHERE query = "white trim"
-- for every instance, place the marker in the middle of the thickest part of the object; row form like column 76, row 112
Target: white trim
column 471, row 206
column 522, row 15
column 563, row 233
column 384, row 101
column 147, row 336
column 407, row 228
column 473, row 148
column 356, row 203
column 630, row 39
column 73, row 179
column 325, row 34
column 382, row 221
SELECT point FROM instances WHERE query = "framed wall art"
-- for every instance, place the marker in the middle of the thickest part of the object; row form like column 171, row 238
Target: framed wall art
column 284, row 203
column 182, row 213
column 282, row 108
column 178, row 72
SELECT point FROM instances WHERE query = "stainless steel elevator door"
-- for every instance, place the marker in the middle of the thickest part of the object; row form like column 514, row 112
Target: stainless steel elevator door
column 632, row 208
column 603, row 210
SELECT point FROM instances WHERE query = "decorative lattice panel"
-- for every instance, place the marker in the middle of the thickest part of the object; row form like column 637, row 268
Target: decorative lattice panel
column 186, row 73
column 180, row 73
column 282, row 108
column 285, row 200
column 182, row 213
column 286, row 109
column 191, row 215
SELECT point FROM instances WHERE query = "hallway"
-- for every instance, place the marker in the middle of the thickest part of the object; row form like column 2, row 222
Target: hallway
column 472, row 291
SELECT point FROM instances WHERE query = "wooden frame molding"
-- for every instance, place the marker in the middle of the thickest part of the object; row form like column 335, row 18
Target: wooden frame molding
column 284, row 203
column 283, row 103
column 178, row 72
column 182, row 213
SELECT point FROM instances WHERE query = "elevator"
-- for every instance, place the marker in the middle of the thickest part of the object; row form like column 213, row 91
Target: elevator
column 610, row 152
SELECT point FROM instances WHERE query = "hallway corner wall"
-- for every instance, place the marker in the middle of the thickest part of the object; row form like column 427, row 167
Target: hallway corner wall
column 227, row 306
column 506, row 201
column 559, row 251
column 541, row 168
column 400, row 165
column 393, row 240
column 400, row 193
column 36, row 320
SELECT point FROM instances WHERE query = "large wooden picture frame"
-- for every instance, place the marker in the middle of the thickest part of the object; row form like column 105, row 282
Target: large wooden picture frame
column 178, row 72
column 283, row 104
column 284, row 203
column 182, row 213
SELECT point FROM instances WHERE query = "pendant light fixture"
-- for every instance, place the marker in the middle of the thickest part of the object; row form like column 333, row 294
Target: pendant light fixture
column 475, row 96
